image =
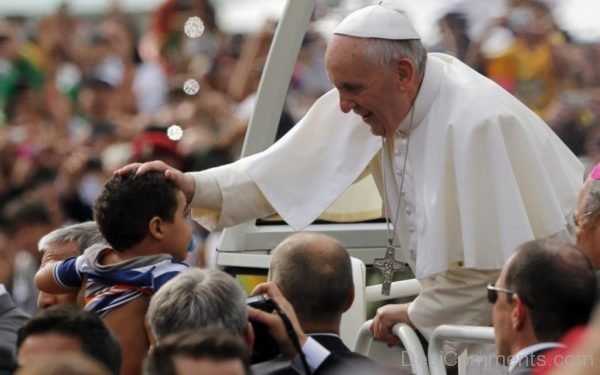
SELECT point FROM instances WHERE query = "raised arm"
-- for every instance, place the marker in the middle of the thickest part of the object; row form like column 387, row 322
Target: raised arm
column 223, row 196
column 56, row 277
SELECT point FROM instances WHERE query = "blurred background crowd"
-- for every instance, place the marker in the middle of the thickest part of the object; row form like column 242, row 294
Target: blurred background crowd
column 83, row 95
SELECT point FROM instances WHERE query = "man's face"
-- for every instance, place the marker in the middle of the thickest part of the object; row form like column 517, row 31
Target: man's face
column 587, row 228
column 44, row 344
column 57, row 252
column 502, row 320
column 180, row 229
column 207, row 366
column 369, row 91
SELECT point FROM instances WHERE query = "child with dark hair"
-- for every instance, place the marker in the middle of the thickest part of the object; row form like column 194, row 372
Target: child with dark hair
column 145, row 220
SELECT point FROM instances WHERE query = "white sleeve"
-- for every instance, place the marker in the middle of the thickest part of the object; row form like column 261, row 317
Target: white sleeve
column 207, row 194
column 226, row 196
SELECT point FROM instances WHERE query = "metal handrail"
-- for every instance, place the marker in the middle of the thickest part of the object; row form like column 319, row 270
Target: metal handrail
column 362, row 343
column 398, row 289
column 470, row 334
column 407, row 337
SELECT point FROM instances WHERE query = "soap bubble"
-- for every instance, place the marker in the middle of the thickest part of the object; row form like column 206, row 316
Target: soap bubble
column 174, row 132
column 194, row 27
column 191, row 86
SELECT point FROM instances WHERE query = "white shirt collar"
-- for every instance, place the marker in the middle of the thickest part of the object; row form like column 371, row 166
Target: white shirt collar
column 528, row 350
column 3, row 289
column 428, row 91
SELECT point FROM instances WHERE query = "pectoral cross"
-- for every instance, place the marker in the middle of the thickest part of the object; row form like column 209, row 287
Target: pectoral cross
column 388, row 265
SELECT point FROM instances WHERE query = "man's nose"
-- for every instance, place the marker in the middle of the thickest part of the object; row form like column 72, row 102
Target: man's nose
column 346, row 105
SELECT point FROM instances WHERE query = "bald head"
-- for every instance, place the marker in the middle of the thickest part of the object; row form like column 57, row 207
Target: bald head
column 314, row 273
column 309, row 247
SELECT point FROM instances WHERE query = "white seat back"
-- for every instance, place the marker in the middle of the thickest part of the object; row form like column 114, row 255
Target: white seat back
column 356, row 334
column 357, row 313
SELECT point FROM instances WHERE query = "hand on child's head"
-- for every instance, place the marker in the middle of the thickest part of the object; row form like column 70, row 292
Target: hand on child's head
column 127, row 169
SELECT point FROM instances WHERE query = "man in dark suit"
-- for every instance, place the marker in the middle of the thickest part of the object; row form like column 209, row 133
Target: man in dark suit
column 218, row 300
column 544, row 289
column 11, row 319
column 314, row 273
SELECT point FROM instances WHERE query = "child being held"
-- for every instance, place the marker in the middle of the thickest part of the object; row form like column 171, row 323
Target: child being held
column 145, row 218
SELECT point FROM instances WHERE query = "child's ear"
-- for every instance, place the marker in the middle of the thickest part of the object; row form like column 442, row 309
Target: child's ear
column 155, row 227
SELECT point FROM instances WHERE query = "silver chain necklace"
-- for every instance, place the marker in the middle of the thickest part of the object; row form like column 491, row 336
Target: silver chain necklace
column 388, row 265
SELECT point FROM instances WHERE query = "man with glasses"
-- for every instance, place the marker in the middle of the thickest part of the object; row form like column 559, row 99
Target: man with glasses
column 544, row 289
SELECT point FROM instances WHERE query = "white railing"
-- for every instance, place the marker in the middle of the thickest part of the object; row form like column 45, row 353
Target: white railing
column 398, row 289
column 470, row 334
column 408, row 338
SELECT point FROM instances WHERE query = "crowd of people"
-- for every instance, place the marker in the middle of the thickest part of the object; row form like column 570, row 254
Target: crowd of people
column 111, row 129
column 80, row 97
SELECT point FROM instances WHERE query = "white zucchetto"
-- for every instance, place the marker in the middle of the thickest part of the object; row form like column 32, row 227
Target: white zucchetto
column 377, row 21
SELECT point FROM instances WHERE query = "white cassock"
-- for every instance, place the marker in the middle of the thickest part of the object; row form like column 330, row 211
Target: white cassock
column 484, row 174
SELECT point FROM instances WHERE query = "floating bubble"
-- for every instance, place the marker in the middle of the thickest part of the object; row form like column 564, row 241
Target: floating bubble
column 194, row 27
column 191, row 86
column 174, row 132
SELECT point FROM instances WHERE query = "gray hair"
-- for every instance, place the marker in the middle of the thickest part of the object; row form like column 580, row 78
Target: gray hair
column 85, row 234
column 383, row 52
column 590, row 199
column 197, row 299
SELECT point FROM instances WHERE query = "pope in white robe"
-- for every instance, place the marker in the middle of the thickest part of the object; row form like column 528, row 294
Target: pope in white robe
column 482, row 172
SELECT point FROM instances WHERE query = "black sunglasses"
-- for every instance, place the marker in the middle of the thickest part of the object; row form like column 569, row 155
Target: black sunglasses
column 492, row 293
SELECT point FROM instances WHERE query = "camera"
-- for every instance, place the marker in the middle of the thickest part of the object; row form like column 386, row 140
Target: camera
column 261, row 302
column 265, row 348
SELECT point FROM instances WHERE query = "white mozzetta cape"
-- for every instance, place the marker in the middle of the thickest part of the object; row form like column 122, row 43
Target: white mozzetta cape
column 488, row 173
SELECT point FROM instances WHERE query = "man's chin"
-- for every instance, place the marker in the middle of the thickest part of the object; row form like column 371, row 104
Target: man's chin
column 377, row 130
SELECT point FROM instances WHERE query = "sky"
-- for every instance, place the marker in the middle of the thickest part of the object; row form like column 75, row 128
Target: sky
column 580, row 17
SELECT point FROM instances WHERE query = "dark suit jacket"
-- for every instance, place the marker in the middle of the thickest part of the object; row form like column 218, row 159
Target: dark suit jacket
column 341, row 361
column 11, row 319
column 527, row 364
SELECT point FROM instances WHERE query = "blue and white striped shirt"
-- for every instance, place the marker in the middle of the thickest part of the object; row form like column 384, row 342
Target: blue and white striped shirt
column 110, row 286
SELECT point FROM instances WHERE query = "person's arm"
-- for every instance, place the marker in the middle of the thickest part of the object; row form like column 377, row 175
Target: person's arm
column 227, row 196
column 56, row 277
column 386, row 317
column 221, row 197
